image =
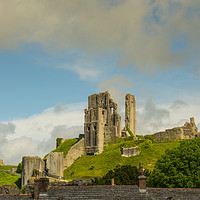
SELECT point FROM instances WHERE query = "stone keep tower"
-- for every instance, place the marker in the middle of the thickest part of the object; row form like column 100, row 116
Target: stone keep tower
column 102, row 122
column 130, row 113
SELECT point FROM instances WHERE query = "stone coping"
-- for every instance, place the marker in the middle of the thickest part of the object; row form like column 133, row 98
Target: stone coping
column 92, row 186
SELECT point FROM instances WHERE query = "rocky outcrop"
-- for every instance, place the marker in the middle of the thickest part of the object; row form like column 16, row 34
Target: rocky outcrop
column 75, row 151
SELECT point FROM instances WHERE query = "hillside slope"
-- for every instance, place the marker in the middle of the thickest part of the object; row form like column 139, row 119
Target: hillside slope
column 65, row 146
column 89, row 166
column 8, row 178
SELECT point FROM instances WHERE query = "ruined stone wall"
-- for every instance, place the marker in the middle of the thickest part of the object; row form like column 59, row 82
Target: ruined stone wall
column 130, row 113
column 132, row 151
column 173, row 134
column 1, row 163
column 102, row 122
column 75, row 151
column 54, row 164
column 28, row 164
column 188, row 131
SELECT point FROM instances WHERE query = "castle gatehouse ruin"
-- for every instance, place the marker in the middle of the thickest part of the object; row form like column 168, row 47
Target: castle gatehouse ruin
column 102, row 122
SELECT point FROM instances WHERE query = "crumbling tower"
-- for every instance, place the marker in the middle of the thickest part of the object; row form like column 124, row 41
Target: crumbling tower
column 130, row 113
column 102, row 122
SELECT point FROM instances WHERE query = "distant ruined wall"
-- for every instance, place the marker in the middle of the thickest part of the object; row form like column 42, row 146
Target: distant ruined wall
column 130, row 113
column 75, row 151
column 1, row 163
column 188, row 131
column 54, row 164
column 28, row 164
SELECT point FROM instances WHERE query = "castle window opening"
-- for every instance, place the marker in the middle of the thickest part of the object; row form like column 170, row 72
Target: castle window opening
column 95, row 128
column 111, row 110
column 89, row 139
column 103, row 112
column 88, row 128
column 95, row 139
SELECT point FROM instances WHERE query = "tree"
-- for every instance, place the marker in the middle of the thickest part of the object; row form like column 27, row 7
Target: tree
column 123, row 175
column 19, row 168
column 179, row 167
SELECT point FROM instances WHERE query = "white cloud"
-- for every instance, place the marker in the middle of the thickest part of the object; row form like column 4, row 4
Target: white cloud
column 40, row 125
column 37, row 134
column 142, row 32
column 84, row 67
column 152, row 118
column 6, row 129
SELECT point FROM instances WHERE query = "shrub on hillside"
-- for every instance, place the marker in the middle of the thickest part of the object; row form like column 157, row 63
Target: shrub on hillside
column 179, row 167
column 19, row 168
column 123, row 175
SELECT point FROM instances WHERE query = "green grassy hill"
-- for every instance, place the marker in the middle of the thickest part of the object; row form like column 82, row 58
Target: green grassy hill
column 89, row 166
column 7, row 178
column 65, row 146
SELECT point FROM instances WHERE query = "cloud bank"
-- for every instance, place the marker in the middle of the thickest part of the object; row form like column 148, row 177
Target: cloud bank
column 36, row 135
column 144, row 33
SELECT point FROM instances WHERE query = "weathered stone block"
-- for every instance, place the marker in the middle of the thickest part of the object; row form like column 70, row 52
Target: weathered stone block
column 132, row 151
column 54, row 164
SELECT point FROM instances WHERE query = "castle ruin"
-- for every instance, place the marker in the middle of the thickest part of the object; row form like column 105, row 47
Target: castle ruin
column 102, row 125
column 102, row 122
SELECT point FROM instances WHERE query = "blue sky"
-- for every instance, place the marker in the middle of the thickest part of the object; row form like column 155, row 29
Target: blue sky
column 54, row 53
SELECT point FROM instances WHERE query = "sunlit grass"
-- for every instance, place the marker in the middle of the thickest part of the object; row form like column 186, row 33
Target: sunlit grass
column 98, row 165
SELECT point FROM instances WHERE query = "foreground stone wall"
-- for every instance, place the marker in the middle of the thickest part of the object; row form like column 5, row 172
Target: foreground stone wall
column 16, row 197
column 28, row 164
column 75, row 151
column 173, row 193
column 112, row 192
